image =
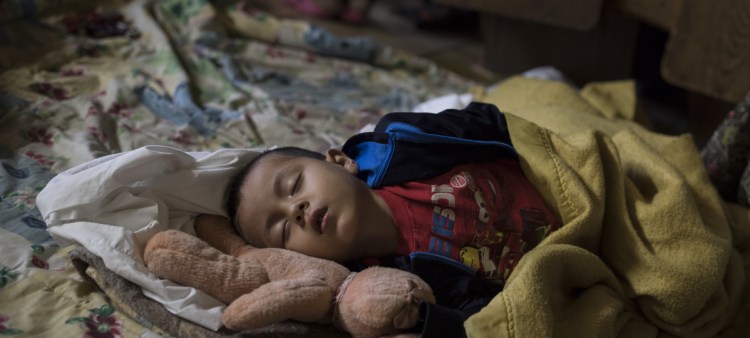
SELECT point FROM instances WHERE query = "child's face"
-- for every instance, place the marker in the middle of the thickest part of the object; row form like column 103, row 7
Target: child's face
column 311, row 206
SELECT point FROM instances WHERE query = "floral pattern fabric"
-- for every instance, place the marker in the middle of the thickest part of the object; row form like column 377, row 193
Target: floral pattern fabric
column 101, row 322
column 727, row 155
column 48, row 298
column 6, row 329
column 81, row 79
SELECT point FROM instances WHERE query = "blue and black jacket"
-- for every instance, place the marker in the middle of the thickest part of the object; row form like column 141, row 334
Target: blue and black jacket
column 412, row 146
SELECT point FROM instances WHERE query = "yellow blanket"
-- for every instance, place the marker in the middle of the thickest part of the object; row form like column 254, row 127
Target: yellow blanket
column 647, row 249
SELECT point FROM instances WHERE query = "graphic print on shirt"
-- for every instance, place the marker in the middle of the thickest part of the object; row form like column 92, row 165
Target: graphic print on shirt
column 443, row 219
column 485, row 252
column 498, row 242
column 485, row 215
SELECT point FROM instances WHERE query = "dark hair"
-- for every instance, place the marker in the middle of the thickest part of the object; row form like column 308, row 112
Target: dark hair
column 233, row 191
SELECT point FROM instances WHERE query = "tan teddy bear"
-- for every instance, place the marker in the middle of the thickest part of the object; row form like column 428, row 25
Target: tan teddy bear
column 266, row 286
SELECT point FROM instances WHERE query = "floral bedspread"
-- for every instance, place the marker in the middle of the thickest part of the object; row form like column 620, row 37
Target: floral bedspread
column 80, row 82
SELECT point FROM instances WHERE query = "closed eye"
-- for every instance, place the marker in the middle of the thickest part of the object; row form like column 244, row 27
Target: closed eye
column 284, row 227
column 297, row 184
column 285, row 224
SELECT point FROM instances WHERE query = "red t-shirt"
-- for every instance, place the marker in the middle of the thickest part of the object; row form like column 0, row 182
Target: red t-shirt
column 485, row 215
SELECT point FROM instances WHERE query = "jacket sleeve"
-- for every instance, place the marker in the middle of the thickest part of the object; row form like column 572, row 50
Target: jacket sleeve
column 458, row 291
column 478, row 121
column 446, row 320
column 477, row 133
column 439, row 321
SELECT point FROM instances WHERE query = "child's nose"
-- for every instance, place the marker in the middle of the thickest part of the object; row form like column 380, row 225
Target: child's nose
column 298, row 211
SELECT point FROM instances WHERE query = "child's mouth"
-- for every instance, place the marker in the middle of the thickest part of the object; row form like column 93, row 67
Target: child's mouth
column 323, row 221
column 319, row 219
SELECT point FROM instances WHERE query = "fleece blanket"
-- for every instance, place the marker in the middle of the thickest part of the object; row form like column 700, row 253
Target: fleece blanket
column 647, row 248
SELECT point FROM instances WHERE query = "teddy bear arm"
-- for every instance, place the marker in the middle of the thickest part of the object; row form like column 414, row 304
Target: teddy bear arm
column 304, row 299
column 218, row 232
column 187, row 260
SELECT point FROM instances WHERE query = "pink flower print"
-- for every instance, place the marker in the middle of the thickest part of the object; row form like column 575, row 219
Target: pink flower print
column 150, row 78
column 5, row 329
column 39, row 262
column 24, row 199
column 100, row 323
column 97, row 134
column 73, row 72
column 310, row 57
column 90, row 49
column 120, row 111
column 300, row 114
column 274, row 52
column 251, row 11
column 50, row 90
column 41, row 135
column 181, row 137
column 131, row 129
column 99, row 25
column 40, row 158
column 93, row 111
column 103, row 327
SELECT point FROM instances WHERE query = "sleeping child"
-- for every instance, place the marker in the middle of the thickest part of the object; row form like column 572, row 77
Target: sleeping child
column 440, row 195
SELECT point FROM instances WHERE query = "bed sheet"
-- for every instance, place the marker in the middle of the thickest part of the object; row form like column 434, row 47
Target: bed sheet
column 79, row 82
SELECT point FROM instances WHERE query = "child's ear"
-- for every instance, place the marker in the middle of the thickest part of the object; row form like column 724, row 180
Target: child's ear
column 338, row 157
